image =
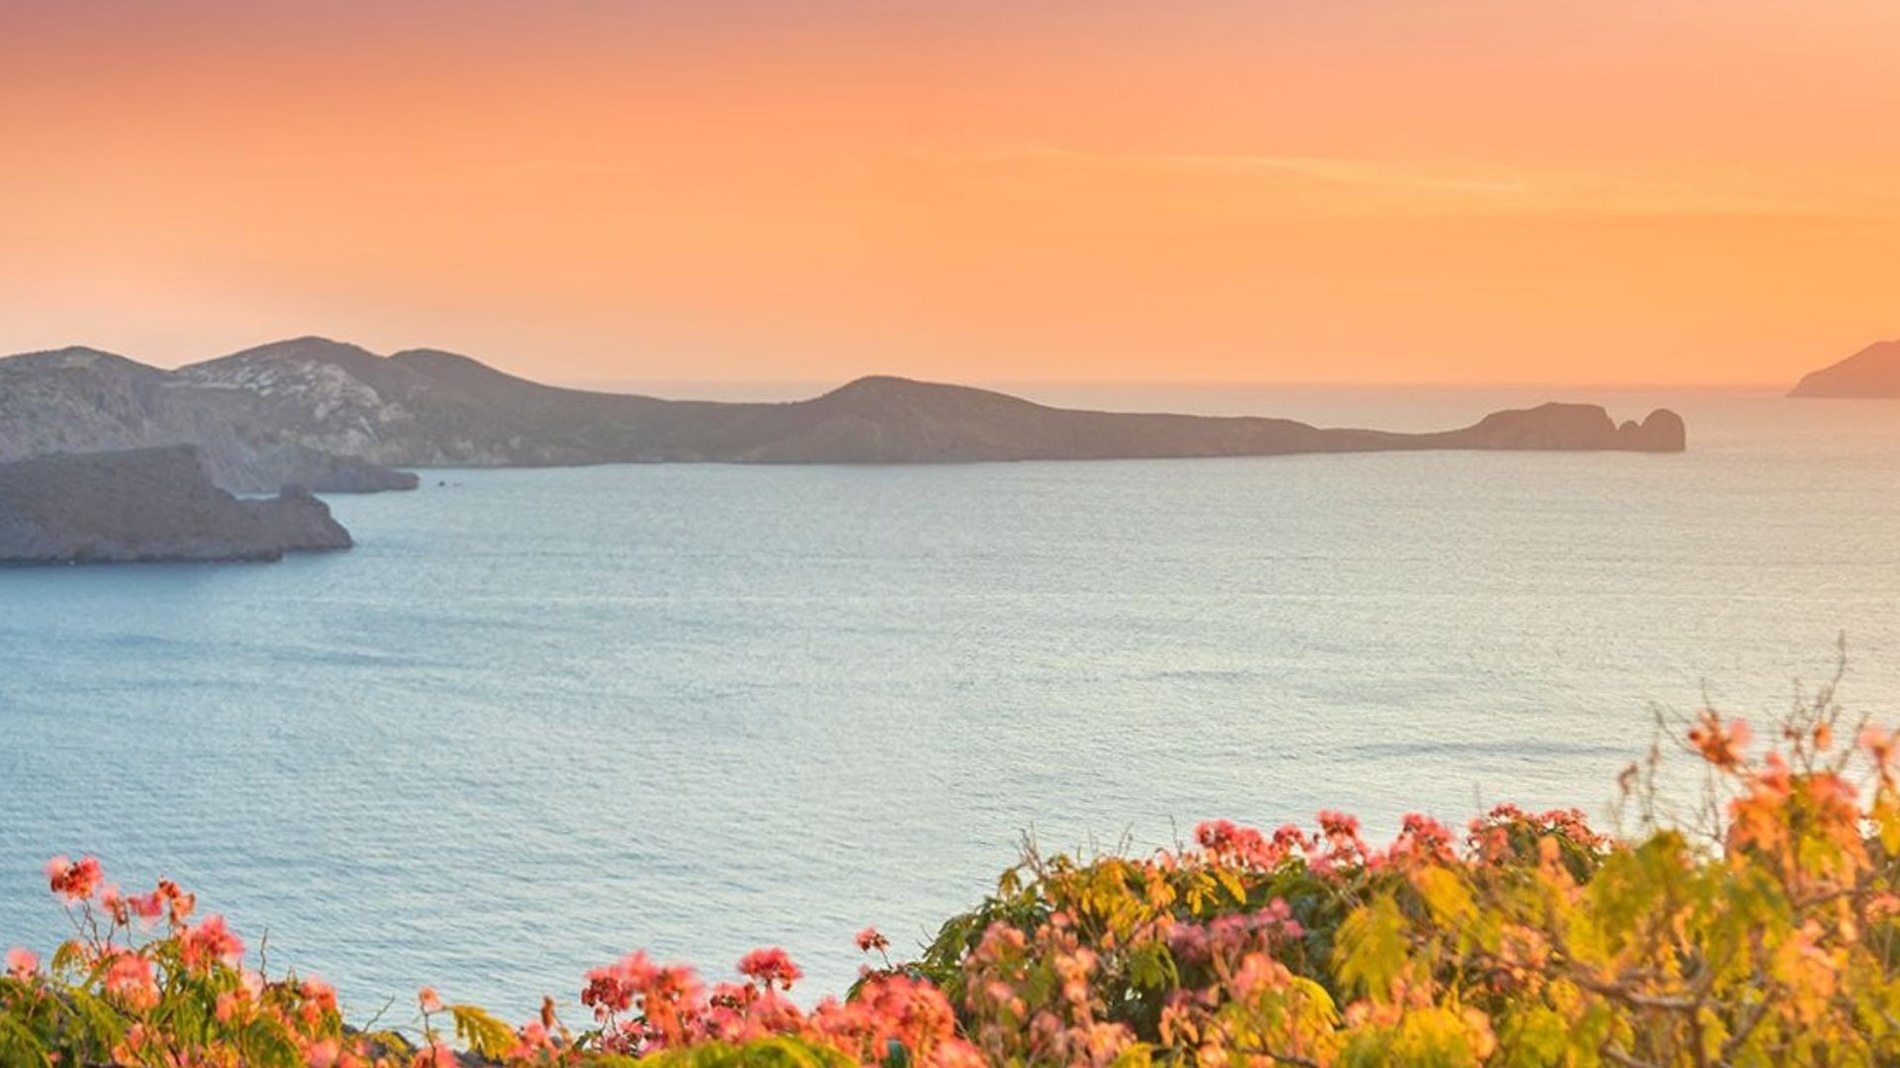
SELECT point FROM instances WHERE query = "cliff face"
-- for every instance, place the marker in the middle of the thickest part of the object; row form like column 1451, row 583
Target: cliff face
column 308, row 409
column 1873, row 372
column 148, row 505
column 82, row 400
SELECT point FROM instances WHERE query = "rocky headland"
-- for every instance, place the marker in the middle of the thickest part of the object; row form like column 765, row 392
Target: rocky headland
column 1873, row 372
column 143, row 505
column 337, row 417
column 80, row 400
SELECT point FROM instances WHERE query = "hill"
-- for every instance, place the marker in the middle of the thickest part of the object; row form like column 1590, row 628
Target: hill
column 1873, row 372
column 78, row 400
column 278, row 410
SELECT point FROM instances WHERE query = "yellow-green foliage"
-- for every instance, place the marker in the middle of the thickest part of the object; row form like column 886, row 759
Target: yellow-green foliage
column 1764, row 935
column 1768, row 940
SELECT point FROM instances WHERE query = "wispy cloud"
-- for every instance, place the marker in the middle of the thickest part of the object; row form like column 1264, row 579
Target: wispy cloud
column 1381, row 186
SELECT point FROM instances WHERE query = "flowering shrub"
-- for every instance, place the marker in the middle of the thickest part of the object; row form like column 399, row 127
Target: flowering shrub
column 144, row 984
column 1764, row 936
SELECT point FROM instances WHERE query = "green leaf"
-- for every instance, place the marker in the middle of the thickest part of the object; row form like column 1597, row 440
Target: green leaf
column 765, row 1053
column 1372, row 948
column 1447, row 897
column 484, row 1035
column 1541, row 1036
column 20, row 1046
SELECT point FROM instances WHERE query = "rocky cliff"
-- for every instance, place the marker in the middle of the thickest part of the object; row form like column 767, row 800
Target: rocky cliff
column 148, row 505
column 84, row 400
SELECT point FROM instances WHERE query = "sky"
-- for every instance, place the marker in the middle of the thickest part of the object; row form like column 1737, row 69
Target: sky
column 1362, row 192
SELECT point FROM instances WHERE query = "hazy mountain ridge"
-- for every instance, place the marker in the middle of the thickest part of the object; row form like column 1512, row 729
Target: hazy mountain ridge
column 1873, row 372
column 261, row 413
column 148, row 505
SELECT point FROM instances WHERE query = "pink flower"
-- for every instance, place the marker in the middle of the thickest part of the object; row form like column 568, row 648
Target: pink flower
column 532, row 1039
column 1339, row 826
column 870, row 938
column 1719, row 745
column 179, row 903
column 22, row 964
column 112, row 899
column 430, row 1000
column 1879, row 745
column 1423, row 839
column 769, row 966
column 324, row 1054
column 611, row 989
column 1188, row 942
column 319, row 1001
column 1289, row 838
column 1228, row 842
column 74, row 880
column 130, row 977
column 211, row 941
column 1260, row 973
column 319, row 993
column 147, row 907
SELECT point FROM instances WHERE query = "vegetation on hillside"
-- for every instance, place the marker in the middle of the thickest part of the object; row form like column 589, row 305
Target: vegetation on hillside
column 1762, row 933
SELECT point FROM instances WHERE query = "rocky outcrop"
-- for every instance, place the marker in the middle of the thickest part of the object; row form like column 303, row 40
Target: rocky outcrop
column 1873, row 372
column 1573, row 427
column 83, row 400
column 1662, row 431
column 328, row 404
column 148, row 505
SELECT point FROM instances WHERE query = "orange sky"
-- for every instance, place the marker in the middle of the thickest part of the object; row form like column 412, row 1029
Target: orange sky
column 1352, row 191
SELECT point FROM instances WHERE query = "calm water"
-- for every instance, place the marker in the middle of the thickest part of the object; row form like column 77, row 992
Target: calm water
column 539, row 718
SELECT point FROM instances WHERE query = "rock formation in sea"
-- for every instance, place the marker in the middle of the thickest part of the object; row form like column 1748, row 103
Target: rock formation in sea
column 1873, row 372
column 311, row 403
column 155, row 504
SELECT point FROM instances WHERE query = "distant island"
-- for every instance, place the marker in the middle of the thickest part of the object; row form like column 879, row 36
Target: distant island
column 1873, row 372
column 147, row 505
column 337, row 418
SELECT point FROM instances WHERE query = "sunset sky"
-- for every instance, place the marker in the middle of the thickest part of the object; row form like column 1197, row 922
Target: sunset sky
column 1331, row 191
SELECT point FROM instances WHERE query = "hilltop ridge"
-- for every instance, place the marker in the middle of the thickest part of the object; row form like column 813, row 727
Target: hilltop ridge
column 336, row 416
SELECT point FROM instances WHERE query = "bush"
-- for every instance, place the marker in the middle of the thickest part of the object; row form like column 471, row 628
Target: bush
column 1764, row 935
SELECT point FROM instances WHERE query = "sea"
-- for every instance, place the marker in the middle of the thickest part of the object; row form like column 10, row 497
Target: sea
column 538, row 719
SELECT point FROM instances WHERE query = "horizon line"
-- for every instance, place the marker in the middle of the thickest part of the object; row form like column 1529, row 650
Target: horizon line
column 603, row 384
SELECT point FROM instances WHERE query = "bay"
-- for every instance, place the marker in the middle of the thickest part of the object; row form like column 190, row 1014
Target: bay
column 538, row 718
